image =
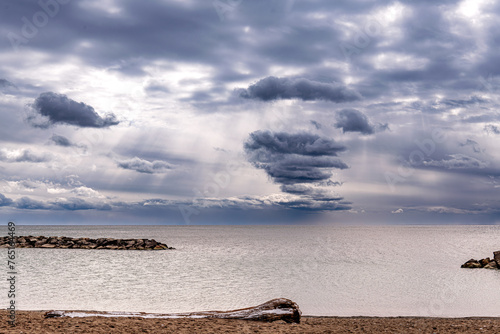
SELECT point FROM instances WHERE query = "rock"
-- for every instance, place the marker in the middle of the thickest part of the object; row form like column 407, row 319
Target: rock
column 484, row 261
column 48, row 246
column 471, row 264
column 496, row 256
column 491, row 265
column 151, row 244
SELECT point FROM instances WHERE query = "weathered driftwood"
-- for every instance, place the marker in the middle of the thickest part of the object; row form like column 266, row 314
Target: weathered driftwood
column 486, row 263
column 273, row 310
column 81, row 243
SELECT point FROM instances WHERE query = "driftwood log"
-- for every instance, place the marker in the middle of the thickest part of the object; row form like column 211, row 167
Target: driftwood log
column 273, row 310
column 81, row 243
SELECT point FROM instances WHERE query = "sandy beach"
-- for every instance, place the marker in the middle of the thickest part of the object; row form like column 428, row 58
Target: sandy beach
column 34, row 322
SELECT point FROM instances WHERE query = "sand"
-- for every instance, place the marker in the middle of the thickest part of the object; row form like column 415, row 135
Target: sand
column 34, row 322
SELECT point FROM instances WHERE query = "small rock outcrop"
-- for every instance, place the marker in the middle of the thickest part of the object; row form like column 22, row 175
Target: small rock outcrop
column 273, row 310
column 486, row 263
column 83, row 243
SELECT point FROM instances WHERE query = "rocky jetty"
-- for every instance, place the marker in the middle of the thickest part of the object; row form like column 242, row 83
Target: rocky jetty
column 82, row 243
column 273, row 310
column 486, row 263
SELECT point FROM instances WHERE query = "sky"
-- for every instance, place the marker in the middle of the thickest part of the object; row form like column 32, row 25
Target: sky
column 249, row 112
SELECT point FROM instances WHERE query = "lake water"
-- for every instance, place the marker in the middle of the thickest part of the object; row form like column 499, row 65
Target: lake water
column 327, row 270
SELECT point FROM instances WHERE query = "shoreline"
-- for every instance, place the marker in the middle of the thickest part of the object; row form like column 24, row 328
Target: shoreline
column 302, row 316
column 35, row 322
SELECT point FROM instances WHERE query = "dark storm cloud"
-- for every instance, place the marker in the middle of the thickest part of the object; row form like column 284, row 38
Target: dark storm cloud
column 352, row 120
column 296, row 169
column 145, row 166
column 273, row 88
column 298, row 162
column 307, row 204
column 294, row 158
column 59, row 109
column 268, row 144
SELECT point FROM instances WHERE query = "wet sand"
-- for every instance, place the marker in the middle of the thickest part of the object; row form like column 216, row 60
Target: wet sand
column 34, row 322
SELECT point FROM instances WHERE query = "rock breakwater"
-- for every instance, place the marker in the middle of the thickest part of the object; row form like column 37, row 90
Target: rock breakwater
column 83, row 243
column 486, row 263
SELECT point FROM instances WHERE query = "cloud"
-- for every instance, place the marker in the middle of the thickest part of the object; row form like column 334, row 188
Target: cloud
column 52, row 108
column 307, row 203
column 299, row 162
column 483, row 118
column 86, row 192
column 398, row 211
column 492, row 128
column 313, row 193
column 4, row 201
column 306, row 144
column 273, row 88
column 457, row 161
column 61, row 141
column 316, row 124
column 74, row 204
column 352, row 120
column 290, row 169
column 288, row 201
column 473, row 144
column 24, row 155
column 6, row 84
column 156, row 87
column 70, row 204
column 145, row 166
column 464, row 103
column 294, row 158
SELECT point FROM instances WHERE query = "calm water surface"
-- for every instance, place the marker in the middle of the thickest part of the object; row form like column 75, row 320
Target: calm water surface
column 342, row 271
